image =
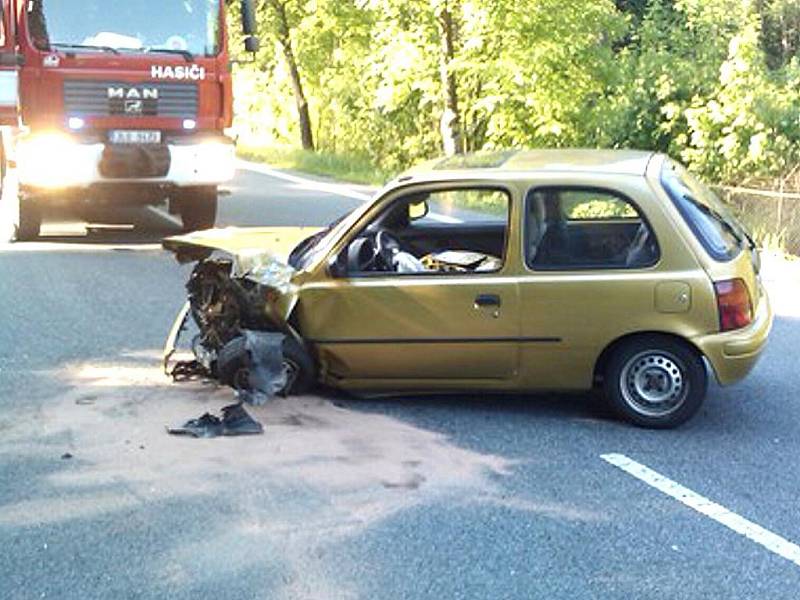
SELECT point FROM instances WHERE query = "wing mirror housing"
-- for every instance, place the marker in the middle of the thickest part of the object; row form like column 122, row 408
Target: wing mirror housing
column 252, row 44
column 250, row 26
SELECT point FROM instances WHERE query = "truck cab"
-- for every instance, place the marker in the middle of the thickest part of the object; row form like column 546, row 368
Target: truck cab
column 117, row 104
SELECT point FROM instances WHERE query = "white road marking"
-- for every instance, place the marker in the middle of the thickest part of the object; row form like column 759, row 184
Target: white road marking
column 310, row 184
column 162, row 214
column 64, row 247
column 771, row 541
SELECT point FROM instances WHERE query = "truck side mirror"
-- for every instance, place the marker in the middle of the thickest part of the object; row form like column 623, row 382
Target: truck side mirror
column 249, row 26
column 251, row 44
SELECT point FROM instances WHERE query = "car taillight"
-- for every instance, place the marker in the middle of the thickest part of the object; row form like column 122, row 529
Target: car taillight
column 735, row 306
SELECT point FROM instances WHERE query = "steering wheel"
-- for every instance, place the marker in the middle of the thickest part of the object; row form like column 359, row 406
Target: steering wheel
column 386, row 246
column 373, row 252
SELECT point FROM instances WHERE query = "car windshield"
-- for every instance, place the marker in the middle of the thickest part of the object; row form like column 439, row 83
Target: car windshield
column 711, row 221
column 311, row 249
column 180, row 26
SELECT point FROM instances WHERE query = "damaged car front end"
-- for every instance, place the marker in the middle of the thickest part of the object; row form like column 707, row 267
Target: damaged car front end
column 240, row 299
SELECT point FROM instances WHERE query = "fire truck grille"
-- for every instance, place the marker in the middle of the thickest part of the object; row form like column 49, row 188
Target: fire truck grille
column 135, row 160
column 113, row 98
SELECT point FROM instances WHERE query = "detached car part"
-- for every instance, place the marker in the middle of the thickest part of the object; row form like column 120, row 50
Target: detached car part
column 235, row 421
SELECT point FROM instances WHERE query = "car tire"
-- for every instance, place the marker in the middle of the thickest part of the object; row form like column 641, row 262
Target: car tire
column 304, row 378
column 197, row 207
column 232, row 366
column 655, row 381
column 30, row 221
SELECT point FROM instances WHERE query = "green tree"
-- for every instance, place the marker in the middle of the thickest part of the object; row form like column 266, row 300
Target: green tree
column 780, row 25
column 749, row 124
column 282, row 30
column 396, row 81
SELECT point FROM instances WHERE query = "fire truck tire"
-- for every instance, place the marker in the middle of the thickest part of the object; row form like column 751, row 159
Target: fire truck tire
column 30, row 221
column 197, row 207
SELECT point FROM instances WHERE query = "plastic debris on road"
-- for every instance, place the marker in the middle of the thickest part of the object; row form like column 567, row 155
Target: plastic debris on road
column 235, row 421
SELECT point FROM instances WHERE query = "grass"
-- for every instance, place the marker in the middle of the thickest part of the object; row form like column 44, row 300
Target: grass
column 343, row 167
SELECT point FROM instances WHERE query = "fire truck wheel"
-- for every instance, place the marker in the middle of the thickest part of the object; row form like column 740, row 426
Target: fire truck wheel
column 197, row 207
column 30, row 221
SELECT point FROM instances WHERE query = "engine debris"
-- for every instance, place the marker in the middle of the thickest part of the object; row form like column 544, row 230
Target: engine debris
column 189, row 370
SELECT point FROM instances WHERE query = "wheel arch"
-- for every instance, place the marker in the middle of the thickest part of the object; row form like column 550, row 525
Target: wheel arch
column 608, row 351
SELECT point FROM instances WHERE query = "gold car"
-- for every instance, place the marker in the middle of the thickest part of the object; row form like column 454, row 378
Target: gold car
column 511, row 271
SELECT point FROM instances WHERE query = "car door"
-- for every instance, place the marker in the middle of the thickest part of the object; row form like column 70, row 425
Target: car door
column 423, row 327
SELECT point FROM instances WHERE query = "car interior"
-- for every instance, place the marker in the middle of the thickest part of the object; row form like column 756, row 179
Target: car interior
column 465, row 231
column 455, row 231
column 585, row 229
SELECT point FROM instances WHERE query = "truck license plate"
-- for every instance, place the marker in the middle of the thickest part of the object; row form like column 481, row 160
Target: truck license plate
column 135, row 136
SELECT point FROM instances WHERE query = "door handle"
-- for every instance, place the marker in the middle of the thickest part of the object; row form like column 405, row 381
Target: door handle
column 483, row 300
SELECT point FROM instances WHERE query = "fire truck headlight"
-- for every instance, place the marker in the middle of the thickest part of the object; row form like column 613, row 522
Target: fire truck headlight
column 48, row 160
column 216, row 160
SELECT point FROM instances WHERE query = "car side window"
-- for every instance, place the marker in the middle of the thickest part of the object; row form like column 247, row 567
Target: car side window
column 465, row 206
column 576, row 229
column 452, row 231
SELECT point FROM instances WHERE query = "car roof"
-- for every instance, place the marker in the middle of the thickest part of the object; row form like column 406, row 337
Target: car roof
column 621, row 162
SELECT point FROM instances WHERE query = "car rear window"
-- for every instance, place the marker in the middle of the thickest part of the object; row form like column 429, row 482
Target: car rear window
column 709, row 219
column 570, row 228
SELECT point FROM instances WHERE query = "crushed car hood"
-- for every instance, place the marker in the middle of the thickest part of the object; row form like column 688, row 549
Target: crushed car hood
column 238, row 241
column 259, row 254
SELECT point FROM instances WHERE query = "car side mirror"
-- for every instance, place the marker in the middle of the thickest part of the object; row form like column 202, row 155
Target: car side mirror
column 418, row 210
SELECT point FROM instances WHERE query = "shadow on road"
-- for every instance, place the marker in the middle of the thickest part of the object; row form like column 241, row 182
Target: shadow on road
column 103, row 226
column 530, row 406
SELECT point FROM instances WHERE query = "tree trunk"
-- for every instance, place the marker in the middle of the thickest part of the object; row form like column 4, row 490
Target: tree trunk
column 285, row 39
column 450, row 125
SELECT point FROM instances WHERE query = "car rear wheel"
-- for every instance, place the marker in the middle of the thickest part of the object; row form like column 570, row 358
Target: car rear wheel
column 655, row 381
column 232, row 366
column 197, row 207
column 30, row 220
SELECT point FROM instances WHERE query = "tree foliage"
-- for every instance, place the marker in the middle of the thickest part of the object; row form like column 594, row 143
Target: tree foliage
column 714, row 82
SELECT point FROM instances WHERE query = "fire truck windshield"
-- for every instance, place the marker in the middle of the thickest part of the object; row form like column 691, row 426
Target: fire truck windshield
column 189, row 27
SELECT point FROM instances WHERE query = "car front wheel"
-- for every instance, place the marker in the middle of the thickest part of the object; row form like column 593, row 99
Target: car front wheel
column 655, row 381
column 233, row 362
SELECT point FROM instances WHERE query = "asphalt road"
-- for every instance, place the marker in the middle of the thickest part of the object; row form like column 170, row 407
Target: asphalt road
column 460, row 497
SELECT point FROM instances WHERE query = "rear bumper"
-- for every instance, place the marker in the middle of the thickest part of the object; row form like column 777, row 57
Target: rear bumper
column 733, row 354
column 56, row 163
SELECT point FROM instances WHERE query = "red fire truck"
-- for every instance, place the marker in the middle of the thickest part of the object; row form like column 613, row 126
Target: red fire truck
column 116, row 103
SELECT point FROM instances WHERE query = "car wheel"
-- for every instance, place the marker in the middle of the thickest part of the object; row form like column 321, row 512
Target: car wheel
column 300, row 368
column 655, row 381
column 197, row 207
column 30, row 221
column 233, row 363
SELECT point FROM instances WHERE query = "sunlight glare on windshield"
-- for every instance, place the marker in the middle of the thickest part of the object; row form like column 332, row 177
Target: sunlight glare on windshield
column 191, row 26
